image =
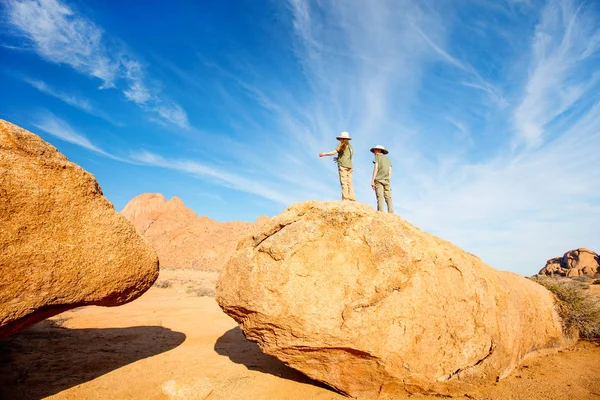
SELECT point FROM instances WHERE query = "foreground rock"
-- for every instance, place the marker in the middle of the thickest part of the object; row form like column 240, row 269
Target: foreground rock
column 370, row 305
column 182, row 238
column 62, row 245
column 578, row 262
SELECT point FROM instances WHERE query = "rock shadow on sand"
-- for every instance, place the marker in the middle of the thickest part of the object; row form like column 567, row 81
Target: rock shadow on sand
column 46, row 358
column 240, row 350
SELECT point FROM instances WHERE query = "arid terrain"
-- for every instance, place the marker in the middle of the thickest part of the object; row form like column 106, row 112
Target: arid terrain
column 176, row 331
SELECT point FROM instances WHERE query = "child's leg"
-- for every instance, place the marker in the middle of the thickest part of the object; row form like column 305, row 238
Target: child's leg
column 344, row 181
column 387, row 193
column 351, row 195
column 379, row 193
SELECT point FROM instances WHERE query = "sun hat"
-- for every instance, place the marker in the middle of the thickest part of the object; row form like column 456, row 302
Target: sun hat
column 380, row 147
column 344, row 135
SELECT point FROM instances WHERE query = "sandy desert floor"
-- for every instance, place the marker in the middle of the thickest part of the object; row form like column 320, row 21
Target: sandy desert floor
column 180, row 333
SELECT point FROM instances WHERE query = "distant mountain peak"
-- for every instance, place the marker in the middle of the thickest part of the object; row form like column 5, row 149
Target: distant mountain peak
column 175, row 202
column 181, row 238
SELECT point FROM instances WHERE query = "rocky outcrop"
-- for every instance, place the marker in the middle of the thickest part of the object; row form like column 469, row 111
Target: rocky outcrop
column 148, row 204
column 578, row 262
column 62, row 245
column 370, row 305
column 182, row 238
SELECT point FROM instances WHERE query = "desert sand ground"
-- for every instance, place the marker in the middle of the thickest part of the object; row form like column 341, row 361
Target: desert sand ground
column 180, row 333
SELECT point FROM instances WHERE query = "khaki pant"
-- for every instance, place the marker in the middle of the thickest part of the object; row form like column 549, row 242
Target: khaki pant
column 383, row 190
column 346, row 182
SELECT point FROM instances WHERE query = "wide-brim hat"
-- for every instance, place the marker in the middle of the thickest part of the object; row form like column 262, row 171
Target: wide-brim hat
column 379, row 147
column 344, row 135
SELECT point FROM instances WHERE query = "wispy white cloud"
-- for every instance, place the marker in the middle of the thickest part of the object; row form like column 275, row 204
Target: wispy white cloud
column 57, row 127
column 217, row 176
column 73, row 100
column 78, row 102
column 442, row 53
column 11, row 47
column 51, row 124
column 538, row 202
column 172, row 112
column 565, row 38
column 60, row 35
column 137, row 91
column 461, row 127
column 493, row 92
column 517, row 207
column 141, row 93
column 476, row 80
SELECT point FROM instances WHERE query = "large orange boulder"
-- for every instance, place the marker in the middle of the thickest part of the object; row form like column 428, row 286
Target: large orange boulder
column 578, row 262
column 62, row 244
column 181, row 237
column 370, row 305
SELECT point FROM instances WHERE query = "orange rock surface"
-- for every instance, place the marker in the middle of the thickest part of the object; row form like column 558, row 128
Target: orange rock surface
column 62, row 244
column 370, row 305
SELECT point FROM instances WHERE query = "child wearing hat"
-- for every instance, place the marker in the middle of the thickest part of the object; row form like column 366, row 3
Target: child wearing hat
column 344, row 153
column 382, row 175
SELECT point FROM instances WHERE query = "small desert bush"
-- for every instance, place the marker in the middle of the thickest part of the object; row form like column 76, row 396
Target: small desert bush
column 596, row 282
column 582, row 278
column 163, row 284
column 201, row 291
column 58, row 322
column 579, row 310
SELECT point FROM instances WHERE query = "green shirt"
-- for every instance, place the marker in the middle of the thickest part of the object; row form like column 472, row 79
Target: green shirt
column 345, row 158
column 383, row 167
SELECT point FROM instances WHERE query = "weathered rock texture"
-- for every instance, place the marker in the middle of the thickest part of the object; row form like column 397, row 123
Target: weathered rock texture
column 578, row 262
column 370, row 305
column 182, row 238
column 62, row 244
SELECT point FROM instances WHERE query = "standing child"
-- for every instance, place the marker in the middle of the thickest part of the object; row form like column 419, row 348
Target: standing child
column 382, row 175
column 344, row 153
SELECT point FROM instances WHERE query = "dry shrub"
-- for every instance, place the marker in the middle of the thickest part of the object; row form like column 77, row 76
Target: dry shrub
column 58, row 322
column 163, row 284
column 596, row 282
column 201, row 291
column 582, row 278
column 578, row 309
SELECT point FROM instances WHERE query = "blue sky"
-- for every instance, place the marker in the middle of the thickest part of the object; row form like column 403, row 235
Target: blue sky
column 490, row 108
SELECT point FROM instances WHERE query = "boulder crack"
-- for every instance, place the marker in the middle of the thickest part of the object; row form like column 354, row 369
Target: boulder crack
column 271, row 233
column 349, row 350
column 458, row 371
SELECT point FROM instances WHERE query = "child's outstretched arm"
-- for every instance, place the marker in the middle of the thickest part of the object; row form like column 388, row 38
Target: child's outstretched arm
column 330, row 153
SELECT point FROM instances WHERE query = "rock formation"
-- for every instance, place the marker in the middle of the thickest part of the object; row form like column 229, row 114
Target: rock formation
column 578, row 262
column 62, row 245
column 370, row 305
column 182, row 238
